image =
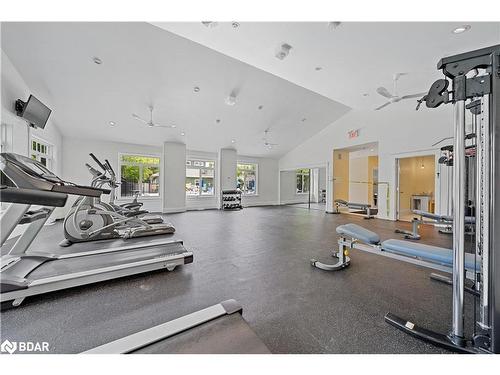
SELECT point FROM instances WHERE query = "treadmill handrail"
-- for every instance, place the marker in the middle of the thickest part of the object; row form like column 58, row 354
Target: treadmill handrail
column 31, row 174
column 163, row 331
column 31, row 196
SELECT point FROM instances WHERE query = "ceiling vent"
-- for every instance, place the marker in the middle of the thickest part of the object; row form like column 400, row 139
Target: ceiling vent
column 210, row 24
column 283, row 50
column 333, row 25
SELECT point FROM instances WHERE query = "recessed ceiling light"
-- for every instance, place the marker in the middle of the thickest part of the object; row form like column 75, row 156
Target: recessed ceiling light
column 233, row 140
column 183, row 134
column 318, row 68
column 196, row 89
column 461, row 29
column 173, row 126
column 217, row 121
column 112, row 123
column 235, row 25
column 372, row 149
column 231, row 100
column 97, row 60
column 260, row 106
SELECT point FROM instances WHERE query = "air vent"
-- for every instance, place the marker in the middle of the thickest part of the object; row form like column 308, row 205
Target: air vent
column 283, row 50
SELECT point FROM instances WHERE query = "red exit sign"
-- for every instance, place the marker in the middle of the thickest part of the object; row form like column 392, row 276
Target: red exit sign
column 353, row 133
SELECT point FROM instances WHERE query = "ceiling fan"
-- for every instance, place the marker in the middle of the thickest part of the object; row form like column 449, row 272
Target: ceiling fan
column 266, row 142
column 150, row 123
column 394, row 97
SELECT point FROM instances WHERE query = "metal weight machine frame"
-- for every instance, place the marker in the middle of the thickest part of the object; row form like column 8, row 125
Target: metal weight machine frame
column 474, row 75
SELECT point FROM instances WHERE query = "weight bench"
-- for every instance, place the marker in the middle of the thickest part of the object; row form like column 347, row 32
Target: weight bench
column 357, row 237
column 470, row 221
column 366, row 208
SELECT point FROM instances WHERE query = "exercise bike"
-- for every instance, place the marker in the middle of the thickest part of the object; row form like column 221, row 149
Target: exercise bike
column 90, row 219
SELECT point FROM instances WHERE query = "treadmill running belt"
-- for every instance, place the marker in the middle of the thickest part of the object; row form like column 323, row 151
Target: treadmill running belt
column 229, row 334
column 85, row 263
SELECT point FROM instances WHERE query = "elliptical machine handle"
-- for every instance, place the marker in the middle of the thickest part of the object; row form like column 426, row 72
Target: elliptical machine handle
column 98, row 162
column 110, row 168
column 94, row 171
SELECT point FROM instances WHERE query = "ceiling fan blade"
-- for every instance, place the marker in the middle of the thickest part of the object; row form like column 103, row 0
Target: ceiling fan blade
column 139, row 118
column 384, row 92
column 164, row 126
column 413, row 96
column 382, row 106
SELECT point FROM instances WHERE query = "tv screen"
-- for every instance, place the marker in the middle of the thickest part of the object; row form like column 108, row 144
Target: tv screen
column 36, row 113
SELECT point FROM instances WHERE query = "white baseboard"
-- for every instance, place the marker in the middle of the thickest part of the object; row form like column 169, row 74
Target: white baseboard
column 257, row 204
column 291, row 202
column 174, row 210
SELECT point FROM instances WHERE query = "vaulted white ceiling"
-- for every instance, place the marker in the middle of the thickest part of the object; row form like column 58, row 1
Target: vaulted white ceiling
column 355, row 57
column 161, row 63
column 143, row 65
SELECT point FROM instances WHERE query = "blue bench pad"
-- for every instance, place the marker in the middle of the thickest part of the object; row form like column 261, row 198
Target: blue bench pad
column 444, row 218
column 430, row 253
column 358, row 232
column 361, row 206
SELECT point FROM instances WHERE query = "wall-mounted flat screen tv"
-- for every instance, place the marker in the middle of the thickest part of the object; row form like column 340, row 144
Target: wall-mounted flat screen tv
column 34, row 111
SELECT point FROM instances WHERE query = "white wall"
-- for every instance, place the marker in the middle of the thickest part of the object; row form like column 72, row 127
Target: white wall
column 267, row 182
column 399, row 129
column 174, row 177
column 358, row 176
column 76, row 153
column 288, row 189
column 227, row 168
column 322, row 179
column 16, row 133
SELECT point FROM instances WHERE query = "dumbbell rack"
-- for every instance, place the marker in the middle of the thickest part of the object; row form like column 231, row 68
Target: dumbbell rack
column 231, row 200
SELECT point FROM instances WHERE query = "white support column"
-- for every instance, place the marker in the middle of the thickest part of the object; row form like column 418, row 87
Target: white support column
column 174, row 177
column 227, row 167
column 329, row 188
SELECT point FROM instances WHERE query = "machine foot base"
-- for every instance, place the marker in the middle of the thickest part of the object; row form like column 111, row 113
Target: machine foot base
column 424, row 334
column 330, row 267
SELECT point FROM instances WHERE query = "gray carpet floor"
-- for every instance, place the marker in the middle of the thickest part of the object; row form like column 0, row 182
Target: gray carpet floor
column 260, row 257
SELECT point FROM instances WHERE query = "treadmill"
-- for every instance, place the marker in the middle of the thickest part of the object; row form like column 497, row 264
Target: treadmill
column 218, row 329
column 26, row 273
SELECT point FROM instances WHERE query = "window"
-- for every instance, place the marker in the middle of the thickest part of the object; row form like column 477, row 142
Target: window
column 42, row 152
column 140, row 175
column 200, row 178
column 246, row 178
column 302, row 181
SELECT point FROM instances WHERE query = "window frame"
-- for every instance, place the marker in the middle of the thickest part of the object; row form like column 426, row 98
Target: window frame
column 302, row 174
column 204, row 160
column 140, row 165
column 244, row 192
column 49, row 155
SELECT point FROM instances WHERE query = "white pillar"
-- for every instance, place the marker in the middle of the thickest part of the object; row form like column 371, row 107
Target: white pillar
column 174, row 177
column 227, row 167
column 329, row 188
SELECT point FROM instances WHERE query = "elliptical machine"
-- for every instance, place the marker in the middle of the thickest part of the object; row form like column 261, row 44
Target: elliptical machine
column 90, row 219
column 108, row 177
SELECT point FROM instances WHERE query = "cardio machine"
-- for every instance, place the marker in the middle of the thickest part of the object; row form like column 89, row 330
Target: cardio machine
column 107, row 177
column 90, row 219
column 27, row 272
